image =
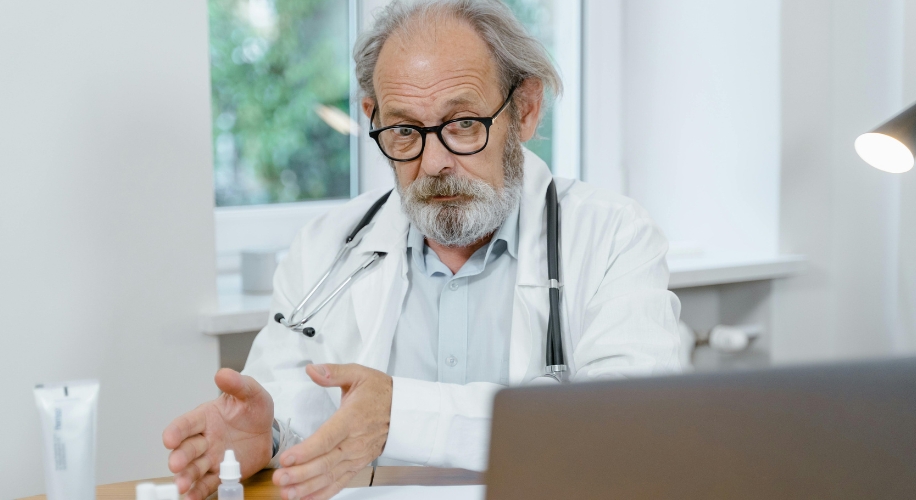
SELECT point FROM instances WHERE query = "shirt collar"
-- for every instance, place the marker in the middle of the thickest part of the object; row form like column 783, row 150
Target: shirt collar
column 507, row 232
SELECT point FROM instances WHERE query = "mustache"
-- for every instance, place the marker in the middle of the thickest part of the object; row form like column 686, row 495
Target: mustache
column 427, row 188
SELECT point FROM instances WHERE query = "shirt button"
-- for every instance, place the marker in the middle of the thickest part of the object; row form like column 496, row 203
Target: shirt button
column 451, row 361
column 453, row 285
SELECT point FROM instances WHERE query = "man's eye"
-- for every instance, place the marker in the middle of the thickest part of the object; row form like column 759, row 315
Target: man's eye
column 404, row 132
column 466, row 124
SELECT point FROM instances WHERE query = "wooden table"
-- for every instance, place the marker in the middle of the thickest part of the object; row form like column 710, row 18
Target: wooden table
column 260, row 487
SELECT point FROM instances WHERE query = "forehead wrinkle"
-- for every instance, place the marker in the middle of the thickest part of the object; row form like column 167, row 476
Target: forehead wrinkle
column 434, row 110
column 405, row 97
column 429, row 94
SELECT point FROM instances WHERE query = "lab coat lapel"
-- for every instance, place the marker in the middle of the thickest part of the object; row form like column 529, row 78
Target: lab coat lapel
column 531, row 306
column 378, row 295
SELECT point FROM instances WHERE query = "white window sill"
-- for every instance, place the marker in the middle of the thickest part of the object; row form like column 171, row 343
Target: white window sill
column 708, row 270
column 239, row 312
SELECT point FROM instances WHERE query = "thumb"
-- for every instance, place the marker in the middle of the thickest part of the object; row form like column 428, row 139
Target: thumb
column 331, row 375
column 234, row 383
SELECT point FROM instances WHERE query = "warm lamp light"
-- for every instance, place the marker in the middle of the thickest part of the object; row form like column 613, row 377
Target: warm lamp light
column 890, row 147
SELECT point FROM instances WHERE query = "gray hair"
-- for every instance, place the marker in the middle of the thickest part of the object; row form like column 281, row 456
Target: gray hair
column 517, row 54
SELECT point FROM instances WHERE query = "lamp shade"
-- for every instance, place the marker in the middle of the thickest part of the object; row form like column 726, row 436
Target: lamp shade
column 890, row 147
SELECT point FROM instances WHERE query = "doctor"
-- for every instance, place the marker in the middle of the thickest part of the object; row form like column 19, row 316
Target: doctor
column 405, row 362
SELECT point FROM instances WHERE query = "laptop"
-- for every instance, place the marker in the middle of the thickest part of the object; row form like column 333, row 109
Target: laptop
column 829, row 431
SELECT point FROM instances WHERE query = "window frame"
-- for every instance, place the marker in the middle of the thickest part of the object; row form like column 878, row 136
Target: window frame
column 273, row 226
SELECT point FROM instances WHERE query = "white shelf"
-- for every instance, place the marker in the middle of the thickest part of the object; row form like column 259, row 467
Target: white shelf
column 707, row 270
column 239, row 312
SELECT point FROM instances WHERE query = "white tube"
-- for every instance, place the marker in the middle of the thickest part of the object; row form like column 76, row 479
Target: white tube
column 68, row 420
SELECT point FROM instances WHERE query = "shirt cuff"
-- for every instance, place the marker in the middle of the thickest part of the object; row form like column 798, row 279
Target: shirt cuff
column 415, row 410
column 288, row 438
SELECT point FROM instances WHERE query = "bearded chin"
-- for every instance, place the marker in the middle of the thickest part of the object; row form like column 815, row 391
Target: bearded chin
column 481, row 209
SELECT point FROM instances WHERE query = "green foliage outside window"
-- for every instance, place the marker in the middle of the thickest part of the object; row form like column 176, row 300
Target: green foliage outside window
column 537, row 16
column 276, row 66
column 280, row 82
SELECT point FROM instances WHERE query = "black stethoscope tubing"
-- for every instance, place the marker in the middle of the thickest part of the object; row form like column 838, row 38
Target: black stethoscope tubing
column 555, row 359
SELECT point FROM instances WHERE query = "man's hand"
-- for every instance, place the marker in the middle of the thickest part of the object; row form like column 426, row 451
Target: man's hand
column 320, row 466
column 239, row 419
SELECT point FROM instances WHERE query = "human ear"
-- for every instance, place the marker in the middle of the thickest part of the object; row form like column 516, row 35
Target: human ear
column 368, row 106
column 530, row 99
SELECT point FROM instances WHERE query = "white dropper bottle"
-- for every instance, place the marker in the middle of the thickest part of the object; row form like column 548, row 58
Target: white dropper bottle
column 229, row 475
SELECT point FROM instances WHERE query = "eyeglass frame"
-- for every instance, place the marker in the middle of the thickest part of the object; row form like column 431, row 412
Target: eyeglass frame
column 487, row 122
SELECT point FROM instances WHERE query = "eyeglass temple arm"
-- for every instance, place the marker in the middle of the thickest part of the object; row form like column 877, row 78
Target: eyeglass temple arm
column 507, row 101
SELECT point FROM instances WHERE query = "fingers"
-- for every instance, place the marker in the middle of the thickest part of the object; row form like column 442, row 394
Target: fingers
column 325, row 439
column 193, row 472
column 187, row 451
column 232, row 383
column 334, row 488
column 331, row 375
column 299, row 473
column 204, row 487
column 183, row 427
column 323, row 486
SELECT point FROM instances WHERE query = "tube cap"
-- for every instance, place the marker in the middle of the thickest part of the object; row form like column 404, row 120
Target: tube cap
column 167, row 492
column 230, row 468
column 146, row 491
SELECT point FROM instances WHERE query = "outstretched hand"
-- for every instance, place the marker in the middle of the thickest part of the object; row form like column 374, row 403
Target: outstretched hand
column 321, row 465
column 239, row 419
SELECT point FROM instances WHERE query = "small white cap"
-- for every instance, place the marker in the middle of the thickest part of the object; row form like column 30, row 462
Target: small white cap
column 167, row 492
column 230, row 468
column 728, row 338
column 146, row 491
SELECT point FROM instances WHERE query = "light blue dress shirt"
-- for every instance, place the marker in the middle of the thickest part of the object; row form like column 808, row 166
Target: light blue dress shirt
column 454, row 328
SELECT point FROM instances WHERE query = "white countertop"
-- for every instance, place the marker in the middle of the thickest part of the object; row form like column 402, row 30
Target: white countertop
column 239, row 312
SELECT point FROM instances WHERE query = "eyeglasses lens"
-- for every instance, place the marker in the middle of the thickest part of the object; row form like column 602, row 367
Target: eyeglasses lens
column 462, row 136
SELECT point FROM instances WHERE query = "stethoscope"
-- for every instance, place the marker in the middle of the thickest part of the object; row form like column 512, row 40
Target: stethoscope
column 555, row 363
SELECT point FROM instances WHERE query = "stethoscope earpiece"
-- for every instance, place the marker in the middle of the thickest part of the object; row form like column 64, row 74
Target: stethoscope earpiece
column 308, row 332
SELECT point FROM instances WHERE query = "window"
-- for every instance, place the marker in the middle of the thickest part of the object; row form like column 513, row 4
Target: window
column 536, row 15
column 280, row 76
column 286, row 136
column 557, row 24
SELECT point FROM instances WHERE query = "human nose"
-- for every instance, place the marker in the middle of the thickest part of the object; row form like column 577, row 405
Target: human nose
column 436, row 157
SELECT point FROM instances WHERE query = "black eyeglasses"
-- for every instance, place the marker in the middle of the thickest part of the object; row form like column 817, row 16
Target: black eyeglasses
column 464, row 136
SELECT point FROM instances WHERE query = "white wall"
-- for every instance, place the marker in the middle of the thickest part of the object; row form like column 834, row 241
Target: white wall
column 602, row 90
column 701, row 119
column 106, row 223
column 907, row 254
column 842, row 75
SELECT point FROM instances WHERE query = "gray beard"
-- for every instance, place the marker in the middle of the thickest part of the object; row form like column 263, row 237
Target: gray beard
column 479, row 211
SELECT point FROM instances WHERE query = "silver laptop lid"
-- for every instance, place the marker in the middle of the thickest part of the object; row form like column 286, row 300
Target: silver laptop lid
column 838, row 431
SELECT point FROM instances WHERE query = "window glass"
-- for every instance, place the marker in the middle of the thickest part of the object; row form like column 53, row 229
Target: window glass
column 280, row 91
column 538, row 17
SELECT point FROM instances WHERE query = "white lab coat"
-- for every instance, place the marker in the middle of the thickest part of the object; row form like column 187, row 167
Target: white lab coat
column 618, row 317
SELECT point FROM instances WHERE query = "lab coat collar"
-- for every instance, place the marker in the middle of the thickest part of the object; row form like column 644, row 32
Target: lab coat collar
column 532, row 226
column 379, row 294
column 388, row 230
column 531, row 297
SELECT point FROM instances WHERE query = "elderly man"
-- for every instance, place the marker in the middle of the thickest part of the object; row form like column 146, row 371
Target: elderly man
column 403, row 364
